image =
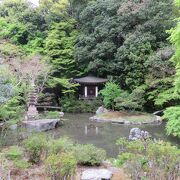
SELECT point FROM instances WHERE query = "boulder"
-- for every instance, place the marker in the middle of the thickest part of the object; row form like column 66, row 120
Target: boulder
column 159, row 113
column 1, row 125
column 41, row 125
column 96, row 174
column 101, row 110
column 13, row 127
column 136, row 133
column 61, row 114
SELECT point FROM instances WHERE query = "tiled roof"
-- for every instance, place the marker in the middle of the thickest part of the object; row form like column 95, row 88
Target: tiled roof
column 90, row 80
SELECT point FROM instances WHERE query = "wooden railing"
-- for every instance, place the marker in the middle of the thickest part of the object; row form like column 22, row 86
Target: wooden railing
column 87, row 97
column 48, row 107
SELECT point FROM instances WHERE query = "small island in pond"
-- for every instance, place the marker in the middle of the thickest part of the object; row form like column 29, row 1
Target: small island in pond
column 127, row 118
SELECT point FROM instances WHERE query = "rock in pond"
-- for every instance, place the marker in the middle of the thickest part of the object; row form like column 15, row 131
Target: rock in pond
column 101, row 110
column 136, row 133
column 96, row 174
column 61, row 114
column 159, row 113
column 41, row 125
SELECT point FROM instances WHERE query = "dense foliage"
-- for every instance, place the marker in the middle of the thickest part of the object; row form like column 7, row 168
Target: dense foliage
column 89, row 155
column 148, row 159
column 172, row 113
column 121, row 39
column 71, row 104
column 61, row 165
column 117, row 39
column 109, row 93
column 120, row 36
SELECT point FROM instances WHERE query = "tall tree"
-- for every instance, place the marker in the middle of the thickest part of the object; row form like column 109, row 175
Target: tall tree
column 175, row 39
column 118, row 36
column 172, row 113
column 59, row 47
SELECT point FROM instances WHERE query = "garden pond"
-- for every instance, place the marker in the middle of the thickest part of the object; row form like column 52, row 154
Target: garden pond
column 79, row 128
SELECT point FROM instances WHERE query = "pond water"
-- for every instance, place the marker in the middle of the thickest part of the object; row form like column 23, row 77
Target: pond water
column 79, row 128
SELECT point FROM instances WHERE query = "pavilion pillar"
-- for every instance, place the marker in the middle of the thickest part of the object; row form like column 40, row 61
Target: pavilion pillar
column 96, row 91
column 85, row 91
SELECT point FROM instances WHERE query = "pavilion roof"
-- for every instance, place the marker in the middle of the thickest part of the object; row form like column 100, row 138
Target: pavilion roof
column 90, row 80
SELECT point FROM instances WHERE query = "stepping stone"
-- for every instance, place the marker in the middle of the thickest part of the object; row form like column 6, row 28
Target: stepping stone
column 41, row 125
column 96, row 174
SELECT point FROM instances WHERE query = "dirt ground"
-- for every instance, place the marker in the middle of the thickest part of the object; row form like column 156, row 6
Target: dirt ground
column 38, row 173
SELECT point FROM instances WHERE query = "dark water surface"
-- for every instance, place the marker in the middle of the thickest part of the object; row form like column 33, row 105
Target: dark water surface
column 79, row 128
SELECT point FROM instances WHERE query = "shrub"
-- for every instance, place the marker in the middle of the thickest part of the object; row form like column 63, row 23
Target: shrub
column 172, row 114
column 63, row 144
column 8, row 111
column 34, row 146
column 61, row 165
column 89, row 155
column 52, row 115
column 130, row 101
column 121, row 159
column 109, row 93
column 149, row 159
column 22, row 164
column 72, row 105
column 14, row 152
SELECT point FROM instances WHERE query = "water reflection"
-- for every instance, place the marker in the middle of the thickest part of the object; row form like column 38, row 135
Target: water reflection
column 91, row 128
column 104, row 135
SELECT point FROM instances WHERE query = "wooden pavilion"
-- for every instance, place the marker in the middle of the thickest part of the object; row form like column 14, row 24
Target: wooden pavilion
column 89, row 86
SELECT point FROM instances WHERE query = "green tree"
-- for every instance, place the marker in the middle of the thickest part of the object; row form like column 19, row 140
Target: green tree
column 55, row 11
column 119, row 36
column 109, row 93
column 172, row 113
column 9, row 96
column 175, row 40
column 59, row 47
column 22, row 24
column 131, row 101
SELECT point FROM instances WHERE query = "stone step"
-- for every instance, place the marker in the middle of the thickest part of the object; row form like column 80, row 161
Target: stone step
column 41, row 125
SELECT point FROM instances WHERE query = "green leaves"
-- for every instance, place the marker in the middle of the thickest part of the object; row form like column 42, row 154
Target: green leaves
column 148, row 159
column 59, row 46
column 8, row 110
column 89, row 154
column 117, row 38
column 109, row 93
column 172, row 114
column 130, row 101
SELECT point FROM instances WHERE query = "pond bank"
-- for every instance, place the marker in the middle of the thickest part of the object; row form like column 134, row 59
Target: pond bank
column 120, row 117
column 79, row 128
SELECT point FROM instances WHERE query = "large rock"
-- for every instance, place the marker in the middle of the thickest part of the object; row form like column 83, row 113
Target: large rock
column 13, row 127
column 96, row 174
column 136, row 133
column 159, row 113
column 101, row 110
column 41, row 125
column 61, row 114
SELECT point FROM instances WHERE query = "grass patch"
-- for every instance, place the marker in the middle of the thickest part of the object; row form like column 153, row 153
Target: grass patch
column 127, row 116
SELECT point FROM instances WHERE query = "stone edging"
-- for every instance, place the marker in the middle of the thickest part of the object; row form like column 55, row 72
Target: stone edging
column 157, row 121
